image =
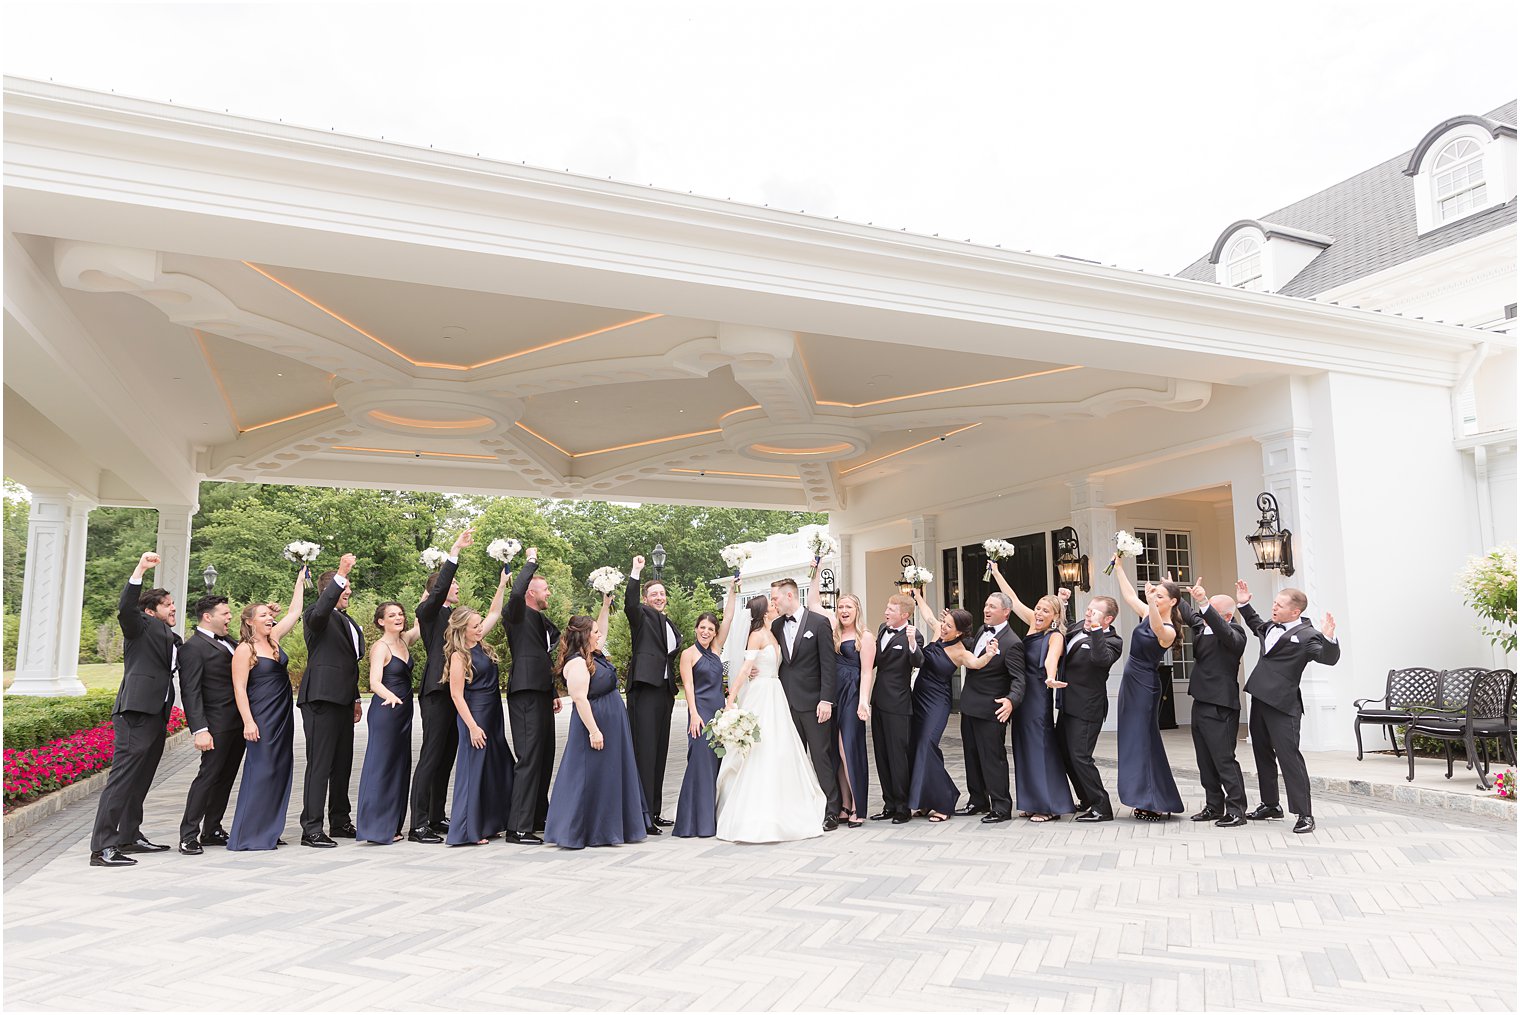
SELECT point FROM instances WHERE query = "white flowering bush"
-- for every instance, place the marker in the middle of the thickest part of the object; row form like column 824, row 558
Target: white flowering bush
column 733, row 729
column 1487, row 584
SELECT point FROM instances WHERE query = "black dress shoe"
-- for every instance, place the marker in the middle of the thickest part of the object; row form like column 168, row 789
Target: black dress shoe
column 281, row 842
column 425, row 834
column 141, row 845
column 1207, row 814
column 191, row 848
column 1094, row 816
column 830, row 823
column 654, row 829
column 883, row 816
column 1230, row 821
column 533, row 839
column 663, row 822
column 318, row 841
column 441, row 826
column 969, row 810
column 347, row 831
column 110, row 857
column 1305, row 824
column 1265, row 811
column 994, row 818
column 216, row 838
column 901, row 818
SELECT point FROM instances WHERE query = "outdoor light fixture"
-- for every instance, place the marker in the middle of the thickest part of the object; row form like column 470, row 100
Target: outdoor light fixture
column 1272, row 543
column 903, row 585
column 1071, row 563
column 209, row 576
column 658, row 557
column 828, row 592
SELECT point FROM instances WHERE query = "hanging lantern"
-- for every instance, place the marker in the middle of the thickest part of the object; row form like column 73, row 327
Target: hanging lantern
column 1272, row 544
column 1072, row 568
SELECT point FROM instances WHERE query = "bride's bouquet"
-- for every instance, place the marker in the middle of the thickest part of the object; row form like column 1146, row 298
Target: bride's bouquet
column 996, row 549
column 303, row 552
column 735, row 555
column 1125, row 545
column 433, row 558
column 822, row 546
column 732, row 729
column 606, row 580
column 503, row 550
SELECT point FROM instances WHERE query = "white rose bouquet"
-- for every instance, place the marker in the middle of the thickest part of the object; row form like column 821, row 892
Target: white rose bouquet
column 996, row 549
column 1125, row 545
column 606, row 579
column 916, row 576
column 433, row 558
column 822, row 546
column 303, row 552
column 735, row 555
column 732, row 729
column 503, row 550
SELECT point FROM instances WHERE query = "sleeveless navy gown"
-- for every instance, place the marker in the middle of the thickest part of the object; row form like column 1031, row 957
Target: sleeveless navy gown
column 930, row 787
column 387, row 774
column 697, row 811
column 269, row 762
column 597, row 798
column 852, row 728
column 482, row 776
column 1039, row 772
column 1145, row 775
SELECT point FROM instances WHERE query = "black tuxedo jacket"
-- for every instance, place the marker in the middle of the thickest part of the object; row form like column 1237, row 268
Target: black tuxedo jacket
column 1218, row 645
column 205, row 684
column 1085, row 669
column 334, row 646
column 1277, row 674
column 147, row 681
column 809, row 670
column 1001, row 678
column 652, row 660
column 893, row 690
column 529, row 636
column 432, row 620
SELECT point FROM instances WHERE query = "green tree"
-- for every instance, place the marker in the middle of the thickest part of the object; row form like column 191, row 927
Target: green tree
column 17, row 511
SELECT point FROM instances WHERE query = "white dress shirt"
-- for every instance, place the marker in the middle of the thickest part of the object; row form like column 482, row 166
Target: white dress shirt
column 981, row 642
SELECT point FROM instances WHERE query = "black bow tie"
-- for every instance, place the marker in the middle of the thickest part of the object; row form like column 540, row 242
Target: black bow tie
column 1275, row 626
column 789, row 619
column 986, row 629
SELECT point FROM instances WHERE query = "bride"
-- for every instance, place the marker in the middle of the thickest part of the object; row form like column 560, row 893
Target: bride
column 772, row 795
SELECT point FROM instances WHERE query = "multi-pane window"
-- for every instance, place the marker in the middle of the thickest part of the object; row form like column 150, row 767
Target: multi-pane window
column 1243, row 264
column 1168, row 552
column 1459, row 183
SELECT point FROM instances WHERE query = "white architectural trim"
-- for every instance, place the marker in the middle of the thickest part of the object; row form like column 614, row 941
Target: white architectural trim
column 52, row 596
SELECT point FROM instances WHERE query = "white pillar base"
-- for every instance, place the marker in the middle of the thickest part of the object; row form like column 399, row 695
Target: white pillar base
column 52, row 596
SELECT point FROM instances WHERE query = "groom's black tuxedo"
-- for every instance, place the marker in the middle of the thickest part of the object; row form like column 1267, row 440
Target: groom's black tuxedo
column 892, row 714
column 983, row 736
column 651, row 691
column 329, row 691
column 1215, row 689
column 440, row 728
column 205, row 682
column 809, row 675
column 1090, row 655
column 530, row 704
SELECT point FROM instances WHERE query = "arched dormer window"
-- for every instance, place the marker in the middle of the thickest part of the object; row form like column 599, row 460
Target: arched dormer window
column 1243, row 264
column 1457, row 176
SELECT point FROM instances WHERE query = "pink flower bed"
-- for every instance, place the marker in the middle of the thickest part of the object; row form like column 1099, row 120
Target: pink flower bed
column 35, row 772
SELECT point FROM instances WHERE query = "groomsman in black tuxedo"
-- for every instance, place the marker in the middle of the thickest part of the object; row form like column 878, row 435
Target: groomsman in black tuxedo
column 330, row 707
column 889, row 693
column 988, row 699
column 1092, row 648
column 440, row 728
column 138, row 719
column 1288, row 644
column 651, row 685
column 205, row 689
column 531, row 701
column 1218, row 644
column 810, row 677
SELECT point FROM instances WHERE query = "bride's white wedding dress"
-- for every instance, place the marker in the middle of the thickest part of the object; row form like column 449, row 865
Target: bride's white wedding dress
column 772, row 795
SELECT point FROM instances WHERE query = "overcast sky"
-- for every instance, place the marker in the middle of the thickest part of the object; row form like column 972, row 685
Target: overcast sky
column 1130, row 133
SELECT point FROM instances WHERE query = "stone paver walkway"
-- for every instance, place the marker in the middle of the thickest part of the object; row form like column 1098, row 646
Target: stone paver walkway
column 1384, row 908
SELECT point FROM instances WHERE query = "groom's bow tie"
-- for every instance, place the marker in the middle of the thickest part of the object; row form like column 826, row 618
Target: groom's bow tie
column 789, row 619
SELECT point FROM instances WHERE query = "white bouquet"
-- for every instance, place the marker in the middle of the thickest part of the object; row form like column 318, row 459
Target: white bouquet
column 433, row 558
column 734, row 555
column 503, row 549
column 916, row 576
column 996, row 549
column 822, row 546
column 606, row 579
column 732, row 729
column 303, row 552
column 1125, row 545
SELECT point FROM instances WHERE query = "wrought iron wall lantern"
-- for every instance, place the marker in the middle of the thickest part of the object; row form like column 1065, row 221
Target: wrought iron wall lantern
column 1272, row 543
column 1072, row 568
column 828, row 592
column 903, row 585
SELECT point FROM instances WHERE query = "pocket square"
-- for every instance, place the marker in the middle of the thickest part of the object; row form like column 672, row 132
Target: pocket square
column 899, row 648
column 807, row 634
column 1293, row 638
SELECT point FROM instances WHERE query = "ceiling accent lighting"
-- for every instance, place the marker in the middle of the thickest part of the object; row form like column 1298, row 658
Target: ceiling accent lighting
column 745, row 475
column 831, row 449
column 958, row 387
column 416, row 454
column 910, row 447
column 620, row 447
column 473, row 423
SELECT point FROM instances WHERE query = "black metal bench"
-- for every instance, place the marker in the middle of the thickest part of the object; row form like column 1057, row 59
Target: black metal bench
column 1470, row 699
column 1415, row 686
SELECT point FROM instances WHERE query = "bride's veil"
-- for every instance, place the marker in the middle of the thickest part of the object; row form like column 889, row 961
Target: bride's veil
column 738, row 637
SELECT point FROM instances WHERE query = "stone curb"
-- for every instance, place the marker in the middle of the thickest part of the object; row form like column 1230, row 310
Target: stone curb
column 30, row 814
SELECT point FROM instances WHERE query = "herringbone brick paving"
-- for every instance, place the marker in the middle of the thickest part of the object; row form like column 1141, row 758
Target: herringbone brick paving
column 1382, row 908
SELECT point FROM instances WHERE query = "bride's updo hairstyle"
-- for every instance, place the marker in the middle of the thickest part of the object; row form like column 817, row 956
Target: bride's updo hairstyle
column 757, row 609
column 575, row 642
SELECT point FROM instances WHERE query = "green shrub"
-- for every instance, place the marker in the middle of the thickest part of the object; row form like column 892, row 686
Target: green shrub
column 12, row 633
column 32, row 722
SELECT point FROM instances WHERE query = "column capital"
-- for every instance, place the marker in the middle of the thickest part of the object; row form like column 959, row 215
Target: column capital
column 1087, row 493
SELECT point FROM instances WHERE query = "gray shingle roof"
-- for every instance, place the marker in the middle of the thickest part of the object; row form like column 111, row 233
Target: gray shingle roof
column 1371, row 218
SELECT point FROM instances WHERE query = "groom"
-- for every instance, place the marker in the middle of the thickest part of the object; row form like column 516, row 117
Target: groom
column 808, row 676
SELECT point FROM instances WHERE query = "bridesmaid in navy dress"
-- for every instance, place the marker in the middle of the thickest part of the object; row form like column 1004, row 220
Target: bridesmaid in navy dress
column 1039, row 770
column 483, row 766
column 261, row 686
column 702, row 679
column 855, row 653
column 597, row 799
column 1145, row 775
column 387, row 773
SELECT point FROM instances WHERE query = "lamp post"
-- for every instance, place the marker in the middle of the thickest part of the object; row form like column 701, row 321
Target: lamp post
column 209, row 576
column 1072, row 569
column 828, row 592
column 657, row 556
column 1272, row 543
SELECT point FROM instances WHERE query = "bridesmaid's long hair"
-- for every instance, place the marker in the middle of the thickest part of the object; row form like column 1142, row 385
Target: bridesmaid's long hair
column 1175, row 591
column 454, row 643
column 246, row 631
column 1057, row 612
column 860, row 616
column 575, row 642
column 963, row 621
column 757, row 607
column 711, row 618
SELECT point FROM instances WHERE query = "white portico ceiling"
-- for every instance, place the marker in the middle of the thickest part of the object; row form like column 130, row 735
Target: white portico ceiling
column 307, row 308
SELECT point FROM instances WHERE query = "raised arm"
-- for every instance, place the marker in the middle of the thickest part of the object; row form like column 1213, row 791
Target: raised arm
column 814, row 600
column 128, row 614
column 1127, row 590
column 493, row 616
column 729, row 602
column 603, row 619
column 1021, row 611
column 1165, row 633
column 297, row 604
column 960, row 655
column 321, row 611
column 428, row 609
column 924, row 610
column 631, row 597
column 517, row 603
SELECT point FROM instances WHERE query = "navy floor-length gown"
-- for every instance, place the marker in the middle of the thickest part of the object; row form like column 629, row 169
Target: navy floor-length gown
column 386, row 778
column 1039, row 772
column 697, row 811
column 1145, row 775
column 930, row 787
column 597, row 799
column 482, row 775
column 268, row 762
column 852, row 728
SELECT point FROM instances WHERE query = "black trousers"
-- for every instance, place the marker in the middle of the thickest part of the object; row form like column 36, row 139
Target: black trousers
column 137, row 745
column 818, row 738
column 1079, row 738
column 1215, row 729
column 532, row 716
column 329, row 730
column 1274, row 739
column 984, row 743
column 889, row 738
column 440, row 742
column 649, row 707
column 207, row 800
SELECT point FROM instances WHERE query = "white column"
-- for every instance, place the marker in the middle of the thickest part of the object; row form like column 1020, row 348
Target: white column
column 846, row 563
column 926, row 552
column 1096, row 524
column 173, row 571
column 52, row 596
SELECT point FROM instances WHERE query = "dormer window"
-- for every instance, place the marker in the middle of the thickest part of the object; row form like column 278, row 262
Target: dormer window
column 1463, row 166
column 1458, row 177
column 1243, row 264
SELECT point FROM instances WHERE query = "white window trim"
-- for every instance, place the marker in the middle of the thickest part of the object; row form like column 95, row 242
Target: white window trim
column 1497, row 189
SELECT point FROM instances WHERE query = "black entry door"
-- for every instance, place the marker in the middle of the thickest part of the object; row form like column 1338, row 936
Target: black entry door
column 1027, row 572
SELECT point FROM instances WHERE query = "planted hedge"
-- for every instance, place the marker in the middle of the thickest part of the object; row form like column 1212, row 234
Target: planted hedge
column 31, row 722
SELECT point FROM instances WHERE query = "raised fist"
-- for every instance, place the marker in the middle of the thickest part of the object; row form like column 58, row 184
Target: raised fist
column 1242, row 593
column 346, row 564
column 465, row 538
column 148, row 560
column 1064, row 594
column 532, row 555
column 638, row 562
